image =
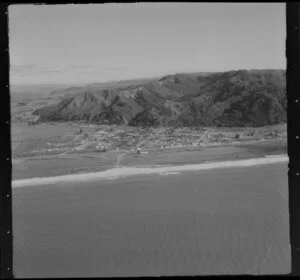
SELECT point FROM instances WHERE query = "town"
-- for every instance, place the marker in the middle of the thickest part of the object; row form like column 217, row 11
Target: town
column 102, row 138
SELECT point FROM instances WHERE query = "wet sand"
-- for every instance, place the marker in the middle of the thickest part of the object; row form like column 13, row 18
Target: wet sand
column 216, row 221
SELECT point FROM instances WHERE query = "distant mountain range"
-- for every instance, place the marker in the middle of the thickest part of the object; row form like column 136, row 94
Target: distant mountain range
column 98, row 86
column 234, row 98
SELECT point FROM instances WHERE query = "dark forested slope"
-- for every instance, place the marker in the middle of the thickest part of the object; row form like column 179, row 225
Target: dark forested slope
column 235, row 98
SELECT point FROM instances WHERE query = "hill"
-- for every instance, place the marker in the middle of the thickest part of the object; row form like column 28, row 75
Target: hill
column 96, row 87
column 234, row 98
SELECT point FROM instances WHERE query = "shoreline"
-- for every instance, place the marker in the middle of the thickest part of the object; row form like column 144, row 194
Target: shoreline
column 118, row 172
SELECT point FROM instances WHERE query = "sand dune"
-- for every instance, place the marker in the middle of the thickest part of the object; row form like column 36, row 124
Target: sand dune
column 131, row 171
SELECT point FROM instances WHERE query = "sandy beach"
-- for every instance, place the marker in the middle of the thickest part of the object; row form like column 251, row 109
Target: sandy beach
column 133, row 171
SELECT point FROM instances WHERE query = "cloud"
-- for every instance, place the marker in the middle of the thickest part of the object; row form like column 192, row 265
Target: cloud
column 77, row 66
column 244, row 40
column 116, row 68
column 27, row 70
column 31, row 70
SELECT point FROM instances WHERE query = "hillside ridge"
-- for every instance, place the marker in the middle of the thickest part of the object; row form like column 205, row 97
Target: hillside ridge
column 232, row 98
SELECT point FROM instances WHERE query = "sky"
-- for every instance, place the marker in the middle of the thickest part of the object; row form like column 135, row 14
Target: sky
column 88, row 43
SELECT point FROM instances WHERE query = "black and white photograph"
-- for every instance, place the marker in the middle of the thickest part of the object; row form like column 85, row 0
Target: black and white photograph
column 149, row 139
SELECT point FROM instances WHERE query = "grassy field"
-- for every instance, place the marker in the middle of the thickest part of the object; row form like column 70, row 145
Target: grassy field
column 91, row 162
column 27, row 138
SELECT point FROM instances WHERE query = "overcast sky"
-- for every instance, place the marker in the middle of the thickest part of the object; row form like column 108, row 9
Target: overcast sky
column 102, row 42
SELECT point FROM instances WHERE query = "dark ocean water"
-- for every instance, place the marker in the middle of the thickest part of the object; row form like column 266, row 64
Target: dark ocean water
column 226, row 221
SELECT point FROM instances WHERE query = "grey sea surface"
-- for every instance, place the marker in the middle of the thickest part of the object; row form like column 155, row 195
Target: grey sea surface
column 219, row 221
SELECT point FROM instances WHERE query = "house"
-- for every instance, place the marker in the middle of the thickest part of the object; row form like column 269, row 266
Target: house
column 35, row 121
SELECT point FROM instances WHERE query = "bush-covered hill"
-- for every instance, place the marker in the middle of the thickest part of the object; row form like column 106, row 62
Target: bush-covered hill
column 235, row 98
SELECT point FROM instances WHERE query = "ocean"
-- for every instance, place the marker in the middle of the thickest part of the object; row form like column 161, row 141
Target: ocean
column 219, row 221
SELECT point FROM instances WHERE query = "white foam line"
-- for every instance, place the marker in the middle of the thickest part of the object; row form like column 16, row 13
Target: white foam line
column 131, row 171
column 275, row 156
column 168, row 173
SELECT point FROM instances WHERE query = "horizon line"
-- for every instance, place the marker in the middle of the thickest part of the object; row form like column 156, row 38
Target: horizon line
column 146, row 77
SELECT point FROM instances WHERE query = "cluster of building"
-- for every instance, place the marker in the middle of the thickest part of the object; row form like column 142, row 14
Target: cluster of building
column 146, row 140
